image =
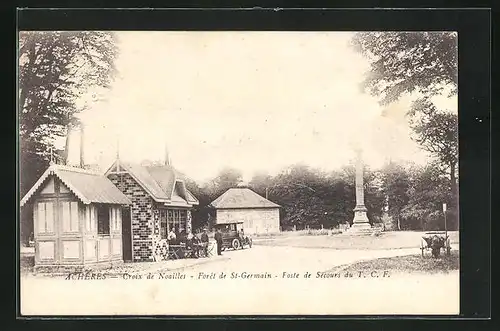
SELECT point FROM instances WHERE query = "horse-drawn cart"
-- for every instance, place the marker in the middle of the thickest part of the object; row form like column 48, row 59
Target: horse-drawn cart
column 435, row 241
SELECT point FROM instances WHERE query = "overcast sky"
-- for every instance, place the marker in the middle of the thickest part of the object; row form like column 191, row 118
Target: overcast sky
column 257, row 101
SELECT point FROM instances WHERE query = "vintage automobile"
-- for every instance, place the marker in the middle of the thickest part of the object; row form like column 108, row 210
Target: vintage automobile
column 232, row 236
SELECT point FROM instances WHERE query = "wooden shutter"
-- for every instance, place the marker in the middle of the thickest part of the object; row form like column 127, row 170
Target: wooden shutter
column 118, row 219
column 74, row 216
column 92, row 218
column 41, row 217
column 49, row 217
column 66, row 216
column 88, row 224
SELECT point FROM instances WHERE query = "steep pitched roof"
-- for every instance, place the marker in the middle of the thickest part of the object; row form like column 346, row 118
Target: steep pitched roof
column 241, row 197
column 159, row 181
column 86, row 185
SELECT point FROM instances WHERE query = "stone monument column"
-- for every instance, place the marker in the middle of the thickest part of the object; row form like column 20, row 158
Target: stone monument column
column 360, row 222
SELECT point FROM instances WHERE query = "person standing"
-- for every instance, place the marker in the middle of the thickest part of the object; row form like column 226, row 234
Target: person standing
column 204, row 241
column 218, row 240
column 171, row 236
column 172, row 240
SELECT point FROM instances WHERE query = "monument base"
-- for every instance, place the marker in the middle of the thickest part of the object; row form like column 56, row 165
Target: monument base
column 360, row 224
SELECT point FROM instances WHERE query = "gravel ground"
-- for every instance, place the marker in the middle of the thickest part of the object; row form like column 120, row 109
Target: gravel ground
column 387, row 240
column 197, row 289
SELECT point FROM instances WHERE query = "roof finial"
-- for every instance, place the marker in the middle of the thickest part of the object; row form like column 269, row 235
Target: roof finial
column 117, row 153
column 167, row 156
column 51, row 155
column 117, row 147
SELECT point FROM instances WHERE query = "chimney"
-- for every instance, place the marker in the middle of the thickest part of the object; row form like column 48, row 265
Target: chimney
column 82, row 145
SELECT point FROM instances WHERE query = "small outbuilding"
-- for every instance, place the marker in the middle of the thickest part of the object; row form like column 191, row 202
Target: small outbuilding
column 241, row 204
column 77, row 217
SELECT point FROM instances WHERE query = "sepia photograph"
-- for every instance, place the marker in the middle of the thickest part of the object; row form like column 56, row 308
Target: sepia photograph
column 238, row 173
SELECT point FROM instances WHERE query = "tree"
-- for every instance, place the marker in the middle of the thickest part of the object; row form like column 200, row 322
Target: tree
column 424, row 64
column 436, row 131
column 396, row 182
column 55, row 70
column 429, row 188
column 407, row 62
column 226, row 179
column 200, row 212
column 260, row 182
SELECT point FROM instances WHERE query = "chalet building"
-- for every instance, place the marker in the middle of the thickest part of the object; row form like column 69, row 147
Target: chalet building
column 241, row 204
column 77, row 218
column 160, row 202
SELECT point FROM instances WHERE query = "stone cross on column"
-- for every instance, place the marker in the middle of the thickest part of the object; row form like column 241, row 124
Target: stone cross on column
column 360, row 222
column 360, row 192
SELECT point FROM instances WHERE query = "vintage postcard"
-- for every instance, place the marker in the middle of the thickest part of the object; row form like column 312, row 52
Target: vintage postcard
column 238, row 173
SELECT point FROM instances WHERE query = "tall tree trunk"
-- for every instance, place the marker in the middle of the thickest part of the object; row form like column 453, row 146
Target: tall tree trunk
column 82, row 145
column 22, row 100
column 24, row 84
column 66, row 147
column 453, row 182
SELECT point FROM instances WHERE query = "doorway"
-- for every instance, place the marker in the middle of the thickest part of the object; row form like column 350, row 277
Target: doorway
column 126, row 235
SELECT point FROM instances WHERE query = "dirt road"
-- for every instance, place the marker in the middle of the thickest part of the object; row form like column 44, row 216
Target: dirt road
column 260, row 280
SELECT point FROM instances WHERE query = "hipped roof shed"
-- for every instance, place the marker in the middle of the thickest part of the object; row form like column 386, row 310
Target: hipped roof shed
column 242, row 198
column 88, row 187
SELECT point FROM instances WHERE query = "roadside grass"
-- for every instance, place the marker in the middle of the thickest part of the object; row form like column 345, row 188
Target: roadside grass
column 386, row 240
column 27, row 263
column 409, row 264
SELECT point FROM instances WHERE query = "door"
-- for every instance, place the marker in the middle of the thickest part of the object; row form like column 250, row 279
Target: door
column 126, row 235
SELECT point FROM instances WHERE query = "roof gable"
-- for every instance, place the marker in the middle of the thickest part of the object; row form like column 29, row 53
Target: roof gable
column 87, row 186
column 49, row 187
column 157, row 181
column 242, row 198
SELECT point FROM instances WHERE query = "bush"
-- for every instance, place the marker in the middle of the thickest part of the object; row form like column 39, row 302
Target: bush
column 314, row 232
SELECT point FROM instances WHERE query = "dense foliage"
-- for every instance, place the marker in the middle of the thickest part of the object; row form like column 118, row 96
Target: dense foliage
column 56, row 70
column 407, row 62
column 423, row 65
column 413, row 196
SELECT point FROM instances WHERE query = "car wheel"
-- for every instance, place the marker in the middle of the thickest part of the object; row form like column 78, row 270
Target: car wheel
column 236, row 244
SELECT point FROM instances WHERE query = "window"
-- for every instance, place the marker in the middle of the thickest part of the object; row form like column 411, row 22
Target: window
column 70, row 216
column 163, row 224
column 45, row 215
column 90, row 218
column 115, row 219
column 103, row 220
column 182, row 219
column 176, row 219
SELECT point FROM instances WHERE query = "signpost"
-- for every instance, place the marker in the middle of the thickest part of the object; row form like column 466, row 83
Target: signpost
column 445, row 231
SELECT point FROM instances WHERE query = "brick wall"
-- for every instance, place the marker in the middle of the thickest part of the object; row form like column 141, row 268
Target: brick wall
column 141, row 215
column 263, row 220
